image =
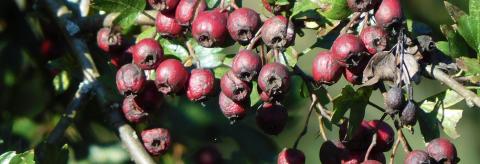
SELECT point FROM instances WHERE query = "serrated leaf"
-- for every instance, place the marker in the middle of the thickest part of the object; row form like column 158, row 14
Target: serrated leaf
column 208, row 57
column 469, row 65
column 147, row 33
column 455, row 46
column 61, row 82
column 356, row 102
column 334, row 9
column 302, row 6
column 128, row 9
column 469, row 25
column 174, row 48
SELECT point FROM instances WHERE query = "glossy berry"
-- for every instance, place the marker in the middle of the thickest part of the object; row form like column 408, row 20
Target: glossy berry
column 234, row 88
column 156, row 141
column 272, row 118
column 210, row 28
column 187, row 10
column 200, row 84
column 167, row 25
column 361, row 5
column 147, row 54
column 394, row 100
column 242, row 24
column 246, row 65
column 360, row 139
column 208, row 155
column 408, row 115
column 275, row 32
column 385, row 135
column 163, row 5
column 274, row 79
column 109, row 40
column 132, row 111
column 347, row 49
column 149, row 98
column 417, row 157
column 130, row 79
column 374, row 38
column 325, row 69
column 232, row 110
column 332, row 152
column 291, row 156
column 442, row 150
column 171, row 77
column 389, row 13
column 357, row 157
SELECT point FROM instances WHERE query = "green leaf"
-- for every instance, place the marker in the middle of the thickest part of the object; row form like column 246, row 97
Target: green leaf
column 302, row 6
column 469, row 25
column 289, row 57
column 254, row 96
column 23, row 158
column 174, row 48
column 208, row 57
column 356, row 102
column 128, row 9
column 282, row 2
column 469, row 65
column 220, row 71
column 334, row 9
column 216, row 3
column 147, row 33
column 7, row 157
column 61, row 82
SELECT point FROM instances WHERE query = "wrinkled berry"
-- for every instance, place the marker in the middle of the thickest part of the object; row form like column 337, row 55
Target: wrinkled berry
column 234, row 88
column 374, row 38
column 362, row 5
column 132, row 111
column 200, row 84
column 208, row 155
column 147, row 54
column 156, row 141
column 354, row 74
column 408, row 115
column 347, row 49
column 109, row 40
column 272, row 118
column 332, row 152
column 167, row 25
column 163, row 5
column 394, row 100
column 360, row 139
column 291, row 156
column 442, row 150
column 130, row 79
column 389, row 13
column 232, row 110
column 274, row 79
column 188, row 9
column 275, row 32
column 210, row 28
column 417, row 157
column 325, row 69
column 385, row 135
column 242, row 24
column 171, row 77
column 246, row 65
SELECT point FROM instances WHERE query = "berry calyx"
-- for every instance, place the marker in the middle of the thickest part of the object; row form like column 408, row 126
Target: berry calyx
column 325, row 69
column 272, row 118
column 361, row 5
column 109, row 40
column 389, row 13
column 167, row 25
column 385, row 135
column 156, row 141
column 274, row 79
column 147, row 54
column 277, row 32
column 347, row 49
column 234, row 88
column 232, row 110
column 200, row 84
column 188, row 9
column 171, row 77
column 242, row 24
column 374, row 38
column 246, row 65
column 291, row 156
column 442, row 150
column 130, row 79
column 416, row 157
column 210, row 28
column 163, row 5
column 132, row 111
column 394, row 100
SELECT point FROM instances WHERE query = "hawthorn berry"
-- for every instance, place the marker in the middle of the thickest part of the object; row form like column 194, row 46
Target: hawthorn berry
column 167, row 25
column 394, row 100
column 417, row 157
column 442, row 150
column 130, row 79
column 265, row 97
column 234, row 111
column 272, row 118
column 234, row 88
column 325, row 69
column 360, row 139
column 389, row 13
column 147, row 54
column 277, row 32
column 332, row 152
column 188, row 9
column 246, row 65
column 291, row 156
column 408, row 115
column 200, row 84
column 371, row 162
column 385, row 135
column 356, row 157
column 109, row 40
column 156, row 141
column 149, row 97
column 274, row 79
column 242, row 24
column 209, row 28
column 208, row 155
column 163, row 5
column 354, row 73
column 361, row 5
column 132, row 111
column 171, row 77
column 347, row 49
column 120, row 59
column 374, row 38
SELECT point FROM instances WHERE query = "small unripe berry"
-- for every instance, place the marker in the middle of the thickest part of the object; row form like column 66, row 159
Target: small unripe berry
column 130, row 79
column 232, row 110
column 163, row 5
column 210, row 28
column 188, row 9
column 147, row 54
column 242, row 24
column 347, row 48
column 246, row 65
column 272, row 118
column 291, row 156
column 167, row 25
column 417, row 157
column 360, row 139
column 332, row 152
column 156, row 141
column 274, row 79
column 234, row 88
column 408, row 115
column 385, row 135
column 200, row 84
column 208, row 155
column 132, row 111
column 394, row 100
column 361, row 5
column 276, row 33
column 109, row 40
column 325, row 69
column 171, row 77
column 389, row 13
column 149, row 98
column 374, row 38
column 442, row 150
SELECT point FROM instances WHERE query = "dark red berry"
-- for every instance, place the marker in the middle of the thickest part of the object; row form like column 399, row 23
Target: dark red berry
column 147, row 54
column 325, row 69
column 354, row 73
column 394, row 100
column 360, row 139
column 208, row 155
column 171, row 77
column 242, row 24
column 188, row 9
column 109, row 40
column 163, row 5
column 385, row 135
column 417, row 157
column 275, row 32
column 408, row 115
column 274, row 79
column 347, row 49
column 232, row 110
column 156, row 141
column 265, row 97
column 200, row 84
column 210, row 28
column 272, row 118
column 356, row 157
column 374, row 38
column 130, row 79
column 388, row 13
column 149, row 98
column 121, row 58
column 371, row 162
column 332, row 152
column 246, row 65
column 132, row 111
column 362, row 5
column 291, row 156
column 234, row 88
column 167, row 25
column 442, row 150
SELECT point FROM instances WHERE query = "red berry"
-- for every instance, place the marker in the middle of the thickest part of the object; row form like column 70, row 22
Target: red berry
column 246, row 65
column 354, row 74
column 265, row 97
column 242, row 24
column 200, row 84
column 188, row 9
column 272, row 118
column 275, row 32
column 417, row 157
column 163, row 5
column 361, row 5
column 389, row 13
column 171, row 77
column 371, row 162
column 291, row 156
column 234, row 88
column 394, row 100
column 208, row 155
column 109, row 40
column 130, row 79
column 149, row 97
column 274, row 79
column 332, row 152
column 374, row 38
column 356, row 157
column 147, row 54
column 232, row 110
column 132, row 111
column 385, row 135
column 156, row 141
column 118, row 59
column 210, row 27
column 51, row 49
column 325, row 69
column 442, row 150
column 167, row 25
column 360, row 139
column 347, row 48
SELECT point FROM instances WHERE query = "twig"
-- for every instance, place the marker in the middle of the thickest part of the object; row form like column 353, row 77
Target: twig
column 322, row 129
column 376, row 106
column 192, row 54
column 305, row 127
column 254, row 39
column 394, row 150
column 352, row 21
column 233, row 4
column 406, row 146
column 369, row 150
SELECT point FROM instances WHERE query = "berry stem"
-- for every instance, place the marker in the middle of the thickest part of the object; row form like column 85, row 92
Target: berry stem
column 376, row 106
column 192, row 54
column 369, row 150
column 394, row 150
column 406, row 146
column 233, row 4
column 351, row 23
column 254, row 39
column 305, row 127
